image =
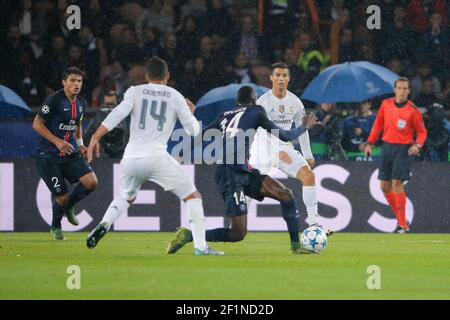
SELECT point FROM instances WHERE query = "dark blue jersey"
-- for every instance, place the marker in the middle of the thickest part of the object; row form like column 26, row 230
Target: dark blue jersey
column 61, row 117
column 238, row 127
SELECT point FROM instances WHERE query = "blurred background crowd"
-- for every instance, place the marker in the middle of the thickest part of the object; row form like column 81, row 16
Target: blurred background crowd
column 211, row 43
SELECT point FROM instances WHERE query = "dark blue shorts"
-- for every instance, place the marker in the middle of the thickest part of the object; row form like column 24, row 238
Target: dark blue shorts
column 55, row 170
column 235, row 184
column 395, row 162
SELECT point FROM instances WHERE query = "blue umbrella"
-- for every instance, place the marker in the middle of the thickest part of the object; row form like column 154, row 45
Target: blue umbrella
column 221, row 99
column 11, row 105
column 350, row 82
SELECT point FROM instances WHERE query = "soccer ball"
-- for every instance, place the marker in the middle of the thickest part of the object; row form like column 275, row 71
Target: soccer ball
column 314, row 239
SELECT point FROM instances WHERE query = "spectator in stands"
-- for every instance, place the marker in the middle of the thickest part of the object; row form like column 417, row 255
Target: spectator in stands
column 92, row 51
column 152, row 46
column 195, row 82
column 396, row 66
column 14, row 46
column 217, row 12
column 137, row 75
column 241, row 70
column 356, row 128
column 435, row 45
column 424, row 72
column 248, row 42
column 366, row 53
column 97, row 20
column 53, row 63
column 297, row 82
column 418, row 12
column 445, row 96
column 436, row 144
column 189, row 38
column 154, row 16
column 119, row 78
column 347, row 48
column 170, row 53
column 193, row 8
column 311, row 60
column 129, row 53
column 33, row 20
column 329, row 124
column 426, row 96
column 398, row 36
column 28, row 81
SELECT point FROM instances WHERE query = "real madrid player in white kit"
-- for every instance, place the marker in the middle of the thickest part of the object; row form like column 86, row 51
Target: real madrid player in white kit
column 154, row 109
column 285, row 109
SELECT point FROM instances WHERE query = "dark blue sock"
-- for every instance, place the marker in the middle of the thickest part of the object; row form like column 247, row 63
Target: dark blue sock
column 58, row 213
column 218, row 235
column 77, row 194
column 291, row 216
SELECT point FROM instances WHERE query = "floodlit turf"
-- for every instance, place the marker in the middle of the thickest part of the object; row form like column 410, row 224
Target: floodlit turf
column 134, row 266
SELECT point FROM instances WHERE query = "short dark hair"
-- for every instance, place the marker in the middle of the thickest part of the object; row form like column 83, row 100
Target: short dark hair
column 72, row 70
column 246, row 95
column 402, row 79
column 111, row 93
column 280, row 65
column 156, row 68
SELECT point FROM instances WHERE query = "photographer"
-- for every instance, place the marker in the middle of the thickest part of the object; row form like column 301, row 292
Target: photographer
column 436, row 144
column 113, row 144
column 329, row 131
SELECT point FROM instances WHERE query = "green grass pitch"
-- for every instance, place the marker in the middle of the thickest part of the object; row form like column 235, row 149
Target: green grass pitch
column 134, row 266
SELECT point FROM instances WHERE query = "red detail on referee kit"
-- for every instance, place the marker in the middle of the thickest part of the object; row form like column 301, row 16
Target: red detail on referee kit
column 398, row 124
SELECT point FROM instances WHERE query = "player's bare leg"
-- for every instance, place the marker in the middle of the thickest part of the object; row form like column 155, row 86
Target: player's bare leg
column 183, row 236
column 276, row 190
column 306, row 176
column 87, row 184
column 116, row 207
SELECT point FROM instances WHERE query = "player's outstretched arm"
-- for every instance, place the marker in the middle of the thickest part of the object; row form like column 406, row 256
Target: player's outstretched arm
column 309, row 121
column 62, row 145
column 185, row 113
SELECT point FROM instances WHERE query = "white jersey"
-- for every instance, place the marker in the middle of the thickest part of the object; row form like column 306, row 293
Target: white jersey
column 283, row 112
column 154, row 110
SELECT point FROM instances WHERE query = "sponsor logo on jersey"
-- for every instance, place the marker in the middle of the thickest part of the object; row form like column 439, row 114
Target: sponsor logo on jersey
column 401, row 124
column 286, row 121
column 70, row 127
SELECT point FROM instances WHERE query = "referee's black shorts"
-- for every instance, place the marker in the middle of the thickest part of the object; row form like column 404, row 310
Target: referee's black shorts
column 395, row 162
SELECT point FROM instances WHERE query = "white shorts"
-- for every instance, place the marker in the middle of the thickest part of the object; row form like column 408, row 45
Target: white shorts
column 261, row 161
column 161, row 169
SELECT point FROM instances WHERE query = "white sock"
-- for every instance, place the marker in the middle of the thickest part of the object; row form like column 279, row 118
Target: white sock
column 197, row 222
column 310, row 201
column 115, row 209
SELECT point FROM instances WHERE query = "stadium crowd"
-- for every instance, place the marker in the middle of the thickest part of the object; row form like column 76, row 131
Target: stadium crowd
column 210, row 43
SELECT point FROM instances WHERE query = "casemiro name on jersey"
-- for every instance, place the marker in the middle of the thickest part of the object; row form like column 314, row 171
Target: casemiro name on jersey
column 156, row 93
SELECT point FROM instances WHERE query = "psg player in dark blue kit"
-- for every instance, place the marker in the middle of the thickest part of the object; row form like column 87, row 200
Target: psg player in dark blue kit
column 61, row 152
column 237, row 179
